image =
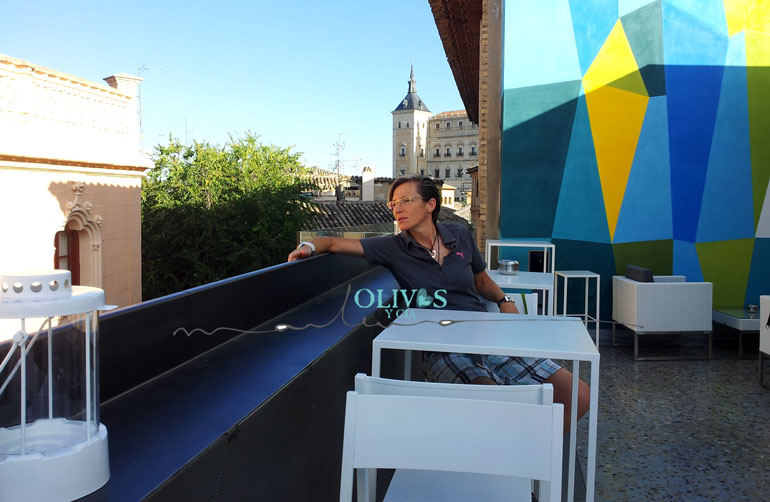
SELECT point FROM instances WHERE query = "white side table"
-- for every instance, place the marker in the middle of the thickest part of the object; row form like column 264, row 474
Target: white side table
column 587, row 275
column 547, row 273
column 737, row 319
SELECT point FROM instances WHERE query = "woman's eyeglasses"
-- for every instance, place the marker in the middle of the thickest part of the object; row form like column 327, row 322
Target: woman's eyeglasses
column 403, row 200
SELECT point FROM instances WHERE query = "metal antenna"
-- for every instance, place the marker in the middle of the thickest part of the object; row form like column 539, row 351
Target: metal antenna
column 340, row 145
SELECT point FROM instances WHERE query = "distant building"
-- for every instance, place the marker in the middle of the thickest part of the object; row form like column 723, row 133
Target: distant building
column 443, row 146
column 71, row 169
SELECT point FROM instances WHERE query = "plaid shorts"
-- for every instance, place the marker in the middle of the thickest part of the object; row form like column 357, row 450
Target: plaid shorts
column 464, row 368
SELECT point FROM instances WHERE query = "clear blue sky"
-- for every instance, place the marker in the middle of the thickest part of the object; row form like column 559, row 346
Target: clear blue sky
column 297, row 72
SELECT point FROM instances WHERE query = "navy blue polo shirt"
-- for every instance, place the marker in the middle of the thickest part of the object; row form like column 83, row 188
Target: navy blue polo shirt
column 450, row 285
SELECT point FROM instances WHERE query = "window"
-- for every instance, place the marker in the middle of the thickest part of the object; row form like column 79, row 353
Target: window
column 422, row 172
column 403, row 171
column 399, row 125
column 67, row 253
column 459, row 151
column 438, row 126
column 437, row 154
column 473, row 150
column 460, row 125
column 459, row 172
column 447, row 173
column 403, row 151
column 448, row 125
column 436, row 171
column 448, row 152
column 407, row 125
column 422, row 152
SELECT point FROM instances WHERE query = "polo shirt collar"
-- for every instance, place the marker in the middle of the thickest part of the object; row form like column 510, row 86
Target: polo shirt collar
column 450, row 241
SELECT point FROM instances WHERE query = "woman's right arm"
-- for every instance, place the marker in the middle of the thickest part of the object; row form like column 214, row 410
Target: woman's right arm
column 350, row 247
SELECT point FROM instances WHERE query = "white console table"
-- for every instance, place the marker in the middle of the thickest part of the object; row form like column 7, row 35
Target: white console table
column 543, row 281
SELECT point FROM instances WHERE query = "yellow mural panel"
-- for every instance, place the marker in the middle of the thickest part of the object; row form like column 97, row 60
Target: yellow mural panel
column 757, row 48
column 747, row 15
column 616, row 118
column 615, row 65
column 735, row 12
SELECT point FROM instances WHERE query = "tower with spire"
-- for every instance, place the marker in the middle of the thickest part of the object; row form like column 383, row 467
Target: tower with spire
column 410, row 130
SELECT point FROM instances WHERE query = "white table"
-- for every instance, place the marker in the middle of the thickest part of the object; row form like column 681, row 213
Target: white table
column 587, row 275
column 508, row 335
column 737, row 319
column 527, row 280
column 546, row 274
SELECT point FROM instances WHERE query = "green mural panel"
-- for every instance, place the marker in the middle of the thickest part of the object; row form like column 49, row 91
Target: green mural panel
column 758, row 79
column 655, row 255
column 727, row 265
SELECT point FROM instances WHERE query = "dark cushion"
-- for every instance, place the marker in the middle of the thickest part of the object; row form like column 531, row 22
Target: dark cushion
column 639, row 274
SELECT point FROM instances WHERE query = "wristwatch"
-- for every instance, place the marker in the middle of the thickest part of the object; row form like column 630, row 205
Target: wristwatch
column 308, row 244
column 504, row 299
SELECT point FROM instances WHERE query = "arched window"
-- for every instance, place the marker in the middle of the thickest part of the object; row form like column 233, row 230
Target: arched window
column 448, row 125
column 403, row 151
column 67, row 253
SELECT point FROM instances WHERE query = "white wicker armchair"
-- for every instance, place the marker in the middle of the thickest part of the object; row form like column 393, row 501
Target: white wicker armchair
column 667, row 305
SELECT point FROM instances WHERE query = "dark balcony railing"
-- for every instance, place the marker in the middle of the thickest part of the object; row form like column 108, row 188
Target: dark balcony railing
column 459, row 154
column 201, row 417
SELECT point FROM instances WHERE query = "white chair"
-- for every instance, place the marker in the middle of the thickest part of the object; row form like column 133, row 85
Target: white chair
column 666, row 305
column 526, row 303
column 453, row 441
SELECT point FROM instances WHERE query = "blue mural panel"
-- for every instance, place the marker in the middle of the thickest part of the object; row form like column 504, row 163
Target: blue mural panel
column 646, row 211
column 759, row 275
column 686, row 261
column 592, row 22
column 691, row 40
column 539, row 44
column 710, row 13
column 580, row 212
column 693, row 96
column 727, row 210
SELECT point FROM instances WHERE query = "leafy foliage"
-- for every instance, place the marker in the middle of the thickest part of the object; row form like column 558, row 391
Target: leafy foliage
column 211, row 212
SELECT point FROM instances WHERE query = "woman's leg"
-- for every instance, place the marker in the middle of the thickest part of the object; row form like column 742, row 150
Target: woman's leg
column 562, row 393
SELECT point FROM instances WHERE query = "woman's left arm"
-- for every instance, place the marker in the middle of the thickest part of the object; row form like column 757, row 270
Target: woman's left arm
column 487, row 288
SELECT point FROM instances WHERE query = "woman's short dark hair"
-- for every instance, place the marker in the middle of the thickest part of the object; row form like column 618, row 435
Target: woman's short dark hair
column 425, row 187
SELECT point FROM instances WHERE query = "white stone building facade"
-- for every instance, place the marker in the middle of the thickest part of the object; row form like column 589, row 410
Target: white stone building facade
column 71, row 169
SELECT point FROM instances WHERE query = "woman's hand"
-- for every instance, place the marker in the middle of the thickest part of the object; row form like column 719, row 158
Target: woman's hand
column 299, row 254
column 509, row 308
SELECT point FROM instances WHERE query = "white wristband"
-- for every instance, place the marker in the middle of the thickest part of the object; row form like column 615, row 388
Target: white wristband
column 308, row 244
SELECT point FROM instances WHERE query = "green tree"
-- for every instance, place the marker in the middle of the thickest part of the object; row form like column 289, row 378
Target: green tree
column 211, row 212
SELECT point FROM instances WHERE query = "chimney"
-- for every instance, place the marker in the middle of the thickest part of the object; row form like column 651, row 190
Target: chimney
column 340, row 192
column 124, row 82
column 367, row 183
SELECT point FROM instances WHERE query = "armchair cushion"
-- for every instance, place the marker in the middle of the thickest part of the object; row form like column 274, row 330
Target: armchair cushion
column 638, row 274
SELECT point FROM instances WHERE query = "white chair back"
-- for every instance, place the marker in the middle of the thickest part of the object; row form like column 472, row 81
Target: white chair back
column 531, row 394
column 482, row 437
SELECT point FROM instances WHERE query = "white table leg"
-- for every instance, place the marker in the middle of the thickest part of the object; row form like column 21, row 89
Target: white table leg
column 573, row 432
column 593, row 411
column 375, row 361
column 585, row 307
column 598, row 296
column 564, row 296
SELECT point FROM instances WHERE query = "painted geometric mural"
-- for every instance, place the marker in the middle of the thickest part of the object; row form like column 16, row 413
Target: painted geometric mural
column 638, row 132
